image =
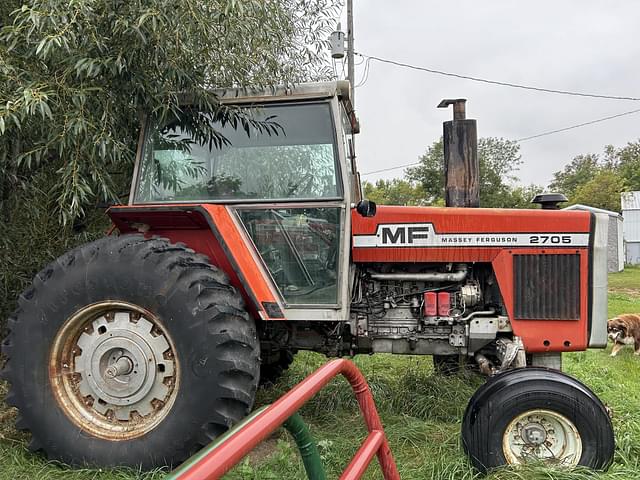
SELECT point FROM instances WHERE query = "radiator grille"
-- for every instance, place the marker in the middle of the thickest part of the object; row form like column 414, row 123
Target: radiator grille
column 547, row 287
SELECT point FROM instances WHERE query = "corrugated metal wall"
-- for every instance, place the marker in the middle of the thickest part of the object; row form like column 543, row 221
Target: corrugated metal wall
column 633, row 253
column 631, row 225
column 631, row 215
column 630, row 200
column 620, row 242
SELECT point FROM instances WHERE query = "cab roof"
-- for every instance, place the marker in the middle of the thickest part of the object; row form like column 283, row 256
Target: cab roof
column 300, row 91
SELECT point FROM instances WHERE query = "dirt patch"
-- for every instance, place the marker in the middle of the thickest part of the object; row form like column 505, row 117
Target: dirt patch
column 631, row 292
column 264, row 450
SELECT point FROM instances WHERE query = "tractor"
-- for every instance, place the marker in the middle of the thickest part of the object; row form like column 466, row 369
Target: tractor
column 141, row 347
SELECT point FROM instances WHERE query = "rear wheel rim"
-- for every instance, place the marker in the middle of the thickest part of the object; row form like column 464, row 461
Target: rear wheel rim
column 542, row 436
column 113, row 370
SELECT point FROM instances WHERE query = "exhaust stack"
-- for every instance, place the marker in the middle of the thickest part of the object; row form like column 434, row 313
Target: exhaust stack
column 461, row 167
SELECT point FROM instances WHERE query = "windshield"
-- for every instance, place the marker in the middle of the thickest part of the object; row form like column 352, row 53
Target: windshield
column 299, row 162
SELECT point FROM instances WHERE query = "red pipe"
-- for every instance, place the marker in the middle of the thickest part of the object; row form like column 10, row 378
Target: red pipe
column 240, row 443
column 363, row 456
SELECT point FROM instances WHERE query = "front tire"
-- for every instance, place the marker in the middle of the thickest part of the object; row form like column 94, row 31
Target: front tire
column 130, row 351
column 540, row 415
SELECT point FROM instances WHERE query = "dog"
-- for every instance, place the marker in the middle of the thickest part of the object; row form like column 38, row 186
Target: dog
column 624, row 330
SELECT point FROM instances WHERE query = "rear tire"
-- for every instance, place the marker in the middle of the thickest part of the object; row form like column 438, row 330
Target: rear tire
column 130, row 351
column 536, row 414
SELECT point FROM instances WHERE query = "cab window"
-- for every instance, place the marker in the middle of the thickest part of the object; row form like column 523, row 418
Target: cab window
column 298, row 162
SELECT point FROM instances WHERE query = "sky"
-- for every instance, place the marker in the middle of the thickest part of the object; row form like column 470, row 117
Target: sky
column 586, row 46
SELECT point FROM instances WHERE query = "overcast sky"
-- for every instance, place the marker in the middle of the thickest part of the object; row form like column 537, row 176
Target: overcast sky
column 587, row 46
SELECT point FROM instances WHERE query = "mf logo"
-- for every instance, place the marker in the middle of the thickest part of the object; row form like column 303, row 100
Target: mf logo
column 404, row 234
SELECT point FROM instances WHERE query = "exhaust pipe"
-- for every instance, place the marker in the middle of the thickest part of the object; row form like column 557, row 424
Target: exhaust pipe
column 458, row 276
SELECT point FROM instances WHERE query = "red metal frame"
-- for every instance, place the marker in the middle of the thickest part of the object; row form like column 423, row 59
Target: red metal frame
column 240, row 443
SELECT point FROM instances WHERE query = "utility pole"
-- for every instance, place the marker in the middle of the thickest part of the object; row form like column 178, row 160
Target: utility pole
column 461, row 167
column 351, row 72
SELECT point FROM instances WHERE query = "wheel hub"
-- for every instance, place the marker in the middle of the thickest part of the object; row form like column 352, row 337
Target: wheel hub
column 534, row 434
column 119, row 370
column 542, row 435
column 122, row 365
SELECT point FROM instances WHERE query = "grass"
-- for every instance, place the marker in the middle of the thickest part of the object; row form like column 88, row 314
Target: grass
column 421, row 414
column 624, row 291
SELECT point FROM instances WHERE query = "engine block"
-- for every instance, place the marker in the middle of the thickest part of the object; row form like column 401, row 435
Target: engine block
column 426, row 309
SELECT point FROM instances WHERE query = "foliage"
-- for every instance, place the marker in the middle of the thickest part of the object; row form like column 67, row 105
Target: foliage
column 76, row 76
column 34, row 237
column 626, row 162
column 602, row 191
column 519, row 196
column 598, row 179
column 394, row 192
column 498, row 159
column 430, row 173
column 578, row 172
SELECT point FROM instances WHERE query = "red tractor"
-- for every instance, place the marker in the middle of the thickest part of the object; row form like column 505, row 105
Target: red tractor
column 141, row 347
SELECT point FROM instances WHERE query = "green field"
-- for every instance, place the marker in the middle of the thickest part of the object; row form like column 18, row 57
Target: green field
column 420, row 412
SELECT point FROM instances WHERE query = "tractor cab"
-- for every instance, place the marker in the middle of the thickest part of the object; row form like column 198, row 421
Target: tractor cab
column 290, row 185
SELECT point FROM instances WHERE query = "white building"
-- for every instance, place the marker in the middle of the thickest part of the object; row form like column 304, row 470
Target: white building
column 631, row 214
column 615, row 244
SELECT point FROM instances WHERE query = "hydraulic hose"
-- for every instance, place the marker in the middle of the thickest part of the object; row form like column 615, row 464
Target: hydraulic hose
column 306, row 446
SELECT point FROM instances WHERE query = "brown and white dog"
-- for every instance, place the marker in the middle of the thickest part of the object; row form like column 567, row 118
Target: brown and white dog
column 624, row 330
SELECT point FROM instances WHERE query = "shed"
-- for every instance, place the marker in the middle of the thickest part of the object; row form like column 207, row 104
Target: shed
column 631, row 213
column 615, row 243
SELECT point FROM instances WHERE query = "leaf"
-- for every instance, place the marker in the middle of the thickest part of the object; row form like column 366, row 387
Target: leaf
column 41, row 45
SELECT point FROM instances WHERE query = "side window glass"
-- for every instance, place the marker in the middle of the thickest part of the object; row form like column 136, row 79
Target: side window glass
column 300, row 247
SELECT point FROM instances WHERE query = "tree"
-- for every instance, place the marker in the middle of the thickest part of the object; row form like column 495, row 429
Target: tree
column 498, row 159
column 75, row 77
column 520, row 196
column 598, row 180
column 577, row 173
column 394, row 192
column 430, row 172
column 602, row 191
column 627, row 164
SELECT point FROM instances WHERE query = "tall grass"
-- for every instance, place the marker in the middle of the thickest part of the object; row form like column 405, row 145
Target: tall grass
column 421, row 413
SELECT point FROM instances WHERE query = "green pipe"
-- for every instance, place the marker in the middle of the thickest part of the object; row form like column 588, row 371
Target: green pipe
column 306, row 446
column 294, row 425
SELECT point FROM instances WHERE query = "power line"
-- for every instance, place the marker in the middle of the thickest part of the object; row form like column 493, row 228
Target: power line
column 524, row 139
column 391, row 168
column 544, row 134
column 497, row 82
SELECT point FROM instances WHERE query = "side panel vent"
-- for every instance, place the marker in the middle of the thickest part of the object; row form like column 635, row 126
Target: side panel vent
column 546, row 287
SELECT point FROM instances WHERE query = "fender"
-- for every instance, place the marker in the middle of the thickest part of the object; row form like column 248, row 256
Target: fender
column 226, row 248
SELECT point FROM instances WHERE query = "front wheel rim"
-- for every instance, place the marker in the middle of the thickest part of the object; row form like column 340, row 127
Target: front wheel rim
column 542, row 436
column 113, row 370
